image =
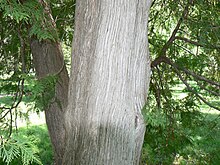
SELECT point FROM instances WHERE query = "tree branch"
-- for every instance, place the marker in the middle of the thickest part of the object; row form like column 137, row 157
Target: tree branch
column 166, row 60
column 193, row 91
column 172, row 37
column 210, row 91
column 189, row 41
column 22, row 50
column 156, row 89
column 177, row 68
column 199, row 77
column 196, row 43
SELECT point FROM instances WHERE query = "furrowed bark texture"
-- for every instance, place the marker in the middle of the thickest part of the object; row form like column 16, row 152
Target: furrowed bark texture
column 109, row 82
column 48, row 59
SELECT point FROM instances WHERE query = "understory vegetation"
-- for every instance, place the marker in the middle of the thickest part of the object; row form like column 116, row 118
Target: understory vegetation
column 187, row 136
column 182, row 113
column 29, row 145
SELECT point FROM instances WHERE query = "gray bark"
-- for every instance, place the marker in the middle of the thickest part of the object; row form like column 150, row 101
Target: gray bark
column 48, row 59
column 109, row 82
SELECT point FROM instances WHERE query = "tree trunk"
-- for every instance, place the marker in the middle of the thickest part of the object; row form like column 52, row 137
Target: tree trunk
column 109, row 82
column 48, row 59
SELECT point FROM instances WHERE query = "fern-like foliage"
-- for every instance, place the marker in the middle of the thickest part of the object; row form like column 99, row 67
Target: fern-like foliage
column 44, row 91
column 19, row 148
column 32, row 13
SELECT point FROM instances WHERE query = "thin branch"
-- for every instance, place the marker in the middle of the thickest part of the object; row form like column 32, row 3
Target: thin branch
column 185, row 49
column 155, row 15
column 48, row 12
column 199, row 77
column 189, row 41
column 166, row 60
column 2, row 117
column 159, row 60
column 156, row 89
column 210, row 91
column 162, row 86
column 196, row 43
column 172, row 37
column 18, row 95
column 11, row 122
column 22, row 50
column 193, row 91
column 177, row 68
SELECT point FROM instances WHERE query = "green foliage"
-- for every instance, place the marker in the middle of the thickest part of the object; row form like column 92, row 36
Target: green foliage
column 43, row 91
column 19, row 147
column 16, row 11
column 32, row 13
column 30, row 145
column 42, row 141
column 166, row 134
column 174, row 115
column 42, row 34
column 180, row 133
column 21, row 20
column 64, row 12
column 37, row 95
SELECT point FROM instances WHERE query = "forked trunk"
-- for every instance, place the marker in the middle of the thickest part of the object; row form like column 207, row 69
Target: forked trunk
column 109, row 82
column 48, row 59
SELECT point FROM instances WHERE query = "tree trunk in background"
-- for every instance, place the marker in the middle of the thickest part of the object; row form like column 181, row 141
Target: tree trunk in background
column 109, row 83
column 48, row 59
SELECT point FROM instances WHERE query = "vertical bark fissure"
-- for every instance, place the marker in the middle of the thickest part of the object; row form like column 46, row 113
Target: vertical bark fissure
column 109, row 83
